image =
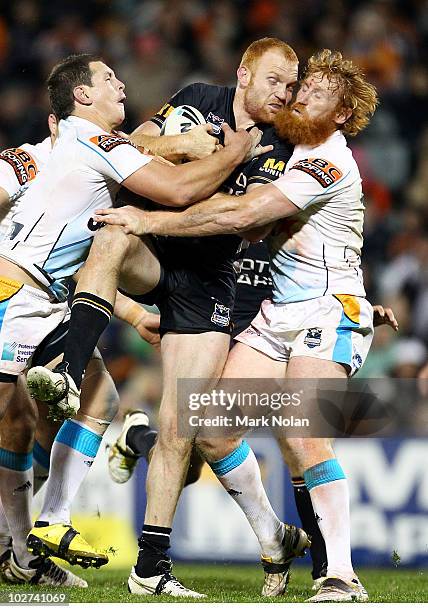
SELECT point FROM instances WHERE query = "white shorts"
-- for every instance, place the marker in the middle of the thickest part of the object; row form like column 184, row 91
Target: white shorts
column 27, row 316
column 333, row 327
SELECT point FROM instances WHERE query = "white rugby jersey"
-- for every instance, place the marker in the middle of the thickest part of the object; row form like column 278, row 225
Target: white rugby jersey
column 52, row 228
column 317, row 251
column 18, row 167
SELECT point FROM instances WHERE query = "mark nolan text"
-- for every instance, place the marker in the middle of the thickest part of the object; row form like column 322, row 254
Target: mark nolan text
column 274, row 420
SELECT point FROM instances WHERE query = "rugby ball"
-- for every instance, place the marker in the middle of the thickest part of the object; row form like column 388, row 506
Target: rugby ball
column 181, row 120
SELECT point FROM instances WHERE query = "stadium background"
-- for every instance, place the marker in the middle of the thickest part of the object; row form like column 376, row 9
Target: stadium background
column 158, row 46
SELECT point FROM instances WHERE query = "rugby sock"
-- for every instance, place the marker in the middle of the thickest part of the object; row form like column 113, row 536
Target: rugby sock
column 310, row 525
column 41, row 460
column 328, row 488
column 153, row 543
column 16, row 492
column 90, row 315
column 141, row 439
column 72, row 456
column 239, row 473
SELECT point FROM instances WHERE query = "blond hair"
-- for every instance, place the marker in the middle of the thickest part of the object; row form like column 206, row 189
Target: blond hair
column 357, row 94
column 259, row 47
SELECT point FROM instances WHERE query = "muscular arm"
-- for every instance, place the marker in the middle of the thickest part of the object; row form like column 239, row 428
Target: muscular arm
column 197, row 180
column 146, row 323
column 221, row 215
column 258, row 233
column 195, row 144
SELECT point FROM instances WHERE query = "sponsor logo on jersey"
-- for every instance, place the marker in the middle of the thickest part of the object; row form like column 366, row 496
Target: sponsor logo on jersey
column 321, row 170
column 221, row 315
column 313, row 337
column 23, row 164
column 215, row 121
column 107, row 142
column 273, row 166
column 14, row 351
column 165, row 111
column 9, row 349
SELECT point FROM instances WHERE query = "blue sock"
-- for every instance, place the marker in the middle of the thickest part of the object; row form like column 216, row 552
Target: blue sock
column 231, row 461
column 322, row 473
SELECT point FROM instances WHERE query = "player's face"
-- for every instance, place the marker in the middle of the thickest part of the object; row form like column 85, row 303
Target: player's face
column 314, row 116
column 271, row 86
column 107, row 94
column 317, row 97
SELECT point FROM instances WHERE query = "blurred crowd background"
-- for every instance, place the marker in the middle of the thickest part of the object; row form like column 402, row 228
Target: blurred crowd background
column 157, row 46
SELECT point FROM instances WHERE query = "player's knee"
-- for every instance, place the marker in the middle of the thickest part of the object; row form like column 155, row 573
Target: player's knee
column 302, row 453
column 214, row 449
column 111, row 243
column 168, row 440
column 18, row 434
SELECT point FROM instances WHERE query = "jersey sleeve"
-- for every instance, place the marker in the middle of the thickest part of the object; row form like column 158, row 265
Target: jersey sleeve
column 311, row 180
column 17, row 167
column 190, row 94
column 115, row 157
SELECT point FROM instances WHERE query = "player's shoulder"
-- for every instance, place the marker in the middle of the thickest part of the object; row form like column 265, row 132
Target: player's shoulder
column 211, row 98
column 209, row 89
column 329, row 162
column 25, row 161
column 91, row 136
column 335, row 149
column 108, row 142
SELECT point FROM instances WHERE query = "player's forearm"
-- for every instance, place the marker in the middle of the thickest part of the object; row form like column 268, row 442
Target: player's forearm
column 172, row 148
column 224, row 215
column 129, row 311
column 221, row 215
column 197, row 180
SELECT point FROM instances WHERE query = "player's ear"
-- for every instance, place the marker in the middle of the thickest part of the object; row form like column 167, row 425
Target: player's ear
column 244, row 76
column 342, row 115
column 82, row 95
column 53, row 126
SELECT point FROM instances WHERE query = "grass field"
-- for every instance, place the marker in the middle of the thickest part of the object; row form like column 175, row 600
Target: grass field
column 236, row 583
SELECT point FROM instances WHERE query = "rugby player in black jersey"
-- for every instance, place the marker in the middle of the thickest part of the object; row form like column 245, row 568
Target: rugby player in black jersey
column 179, row 313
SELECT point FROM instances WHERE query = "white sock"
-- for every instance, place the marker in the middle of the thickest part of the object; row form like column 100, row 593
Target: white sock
column 16, row 492
column 330, row 500
column 239, row 473
column 72, row 456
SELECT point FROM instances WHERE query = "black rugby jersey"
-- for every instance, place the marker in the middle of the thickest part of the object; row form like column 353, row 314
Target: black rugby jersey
column 254, row 285
column 216, row 105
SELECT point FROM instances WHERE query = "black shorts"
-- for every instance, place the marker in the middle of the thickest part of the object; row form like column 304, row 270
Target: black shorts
column 196, row 292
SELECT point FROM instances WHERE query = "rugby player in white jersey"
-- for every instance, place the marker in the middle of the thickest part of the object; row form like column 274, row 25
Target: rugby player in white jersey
column 318, row 286
column 52, row 227
column 20, row 453
column 19, row 448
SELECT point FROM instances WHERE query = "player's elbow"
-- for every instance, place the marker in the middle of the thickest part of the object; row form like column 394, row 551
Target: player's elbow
column 181, row 196
column 237, row 222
